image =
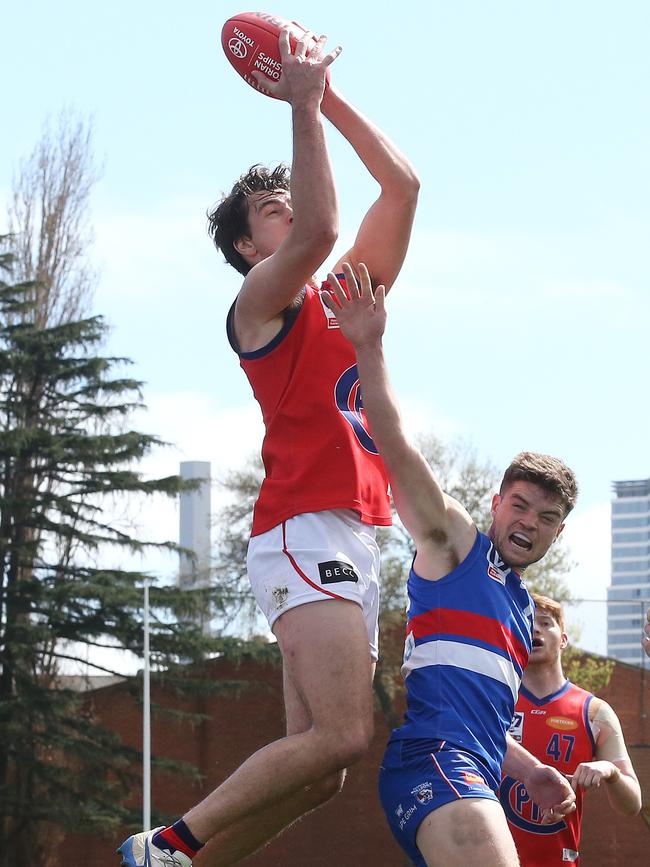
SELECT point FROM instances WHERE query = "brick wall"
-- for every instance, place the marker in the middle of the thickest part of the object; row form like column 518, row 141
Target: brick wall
column 610, row 840
column 350, row 831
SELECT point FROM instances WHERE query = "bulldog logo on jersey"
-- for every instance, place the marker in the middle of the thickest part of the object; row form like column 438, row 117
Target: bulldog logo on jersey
column 423, row 793
column 347, row 395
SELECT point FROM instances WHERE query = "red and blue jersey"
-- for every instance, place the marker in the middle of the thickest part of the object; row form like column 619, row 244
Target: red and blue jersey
column 468, row 638
column 555, row 729
column 317, row 452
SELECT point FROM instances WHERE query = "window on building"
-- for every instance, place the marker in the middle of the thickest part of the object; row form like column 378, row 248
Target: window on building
column 630, row 507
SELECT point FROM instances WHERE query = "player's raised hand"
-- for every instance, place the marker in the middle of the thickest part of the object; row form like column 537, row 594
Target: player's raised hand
column 551, row 792
column 304, row 70
column 359, row 311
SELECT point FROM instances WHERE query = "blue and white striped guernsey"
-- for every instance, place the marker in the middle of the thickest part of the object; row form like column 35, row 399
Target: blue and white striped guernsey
column 468, row 638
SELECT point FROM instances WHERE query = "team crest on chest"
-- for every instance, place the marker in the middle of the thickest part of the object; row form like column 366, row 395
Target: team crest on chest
column 332, row 322
column 497, row 569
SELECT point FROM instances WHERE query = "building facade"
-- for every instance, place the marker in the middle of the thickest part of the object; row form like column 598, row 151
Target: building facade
column 629, row 594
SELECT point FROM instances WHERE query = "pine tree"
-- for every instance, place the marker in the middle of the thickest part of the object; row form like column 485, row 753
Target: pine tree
column 66, row 453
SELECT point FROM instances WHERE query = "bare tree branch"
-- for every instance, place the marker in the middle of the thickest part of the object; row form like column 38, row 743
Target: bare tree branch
column 49, row 217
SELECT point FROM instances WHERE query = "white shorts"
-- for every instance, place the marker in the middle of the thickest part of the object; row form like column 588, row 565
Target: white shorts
column 317, row 556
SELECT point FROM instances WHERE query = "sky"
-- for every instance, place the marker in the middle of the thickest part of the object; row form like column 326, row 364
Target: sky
column 520, row 319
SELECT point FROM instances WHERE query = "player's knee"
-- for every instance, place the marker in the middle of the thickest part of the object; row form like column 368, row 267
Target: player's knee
column 325, row 789
column 350, row 744
column 360, row 740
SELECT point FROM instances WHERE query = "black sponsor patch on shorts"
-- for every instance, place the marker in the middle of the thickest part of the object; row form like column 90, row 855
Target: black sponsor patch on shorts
column 335, row 571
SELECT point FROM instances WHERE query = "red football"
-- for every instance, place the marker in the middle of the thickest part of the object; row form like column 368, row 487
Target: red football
column 250, row 42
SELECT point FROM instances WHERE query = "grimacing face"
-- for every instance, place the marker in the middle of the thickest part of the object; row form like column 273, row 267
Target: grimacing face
column 526, row 520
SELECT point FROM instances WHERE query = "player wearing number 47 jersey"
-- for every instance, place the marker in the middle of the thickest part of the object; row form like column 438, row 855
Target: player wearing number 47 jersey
column 574, row 731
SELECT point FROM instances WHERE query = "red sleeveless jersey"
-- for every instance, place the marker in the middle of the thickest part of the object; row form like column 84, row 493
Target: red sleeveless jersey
column 317, row 451
column 557, row 731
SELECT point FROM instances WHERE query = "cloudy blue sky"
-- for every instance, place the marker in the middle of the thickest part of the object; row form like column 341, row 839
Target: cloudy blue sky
column 520, row 319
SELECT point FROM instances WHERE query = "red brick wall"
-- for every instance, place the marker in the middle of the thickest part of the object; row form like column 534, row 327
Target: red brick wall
column 610, row 840
column 350, row 831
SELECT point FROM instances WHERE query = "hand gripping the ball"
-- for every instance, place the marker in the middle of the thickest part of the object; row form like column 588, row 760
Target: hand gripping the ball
column 304, row 70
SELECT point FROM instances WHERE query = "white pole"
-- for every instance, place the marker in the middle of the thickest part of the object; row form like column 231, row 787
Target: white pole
column 146, row 720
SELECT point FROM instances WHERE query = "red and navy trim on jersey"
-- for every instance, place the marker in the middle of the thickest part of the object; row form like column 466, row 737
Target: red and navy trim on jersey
column 317, row 452
column 556, row 729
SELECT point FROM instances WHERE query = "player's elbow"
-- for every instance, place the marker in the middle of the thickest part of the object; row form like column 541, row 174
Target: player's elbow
column 629, row 806
column 412, row 183
column 321, row 239
column 629, row 811
column 634, row 808
column 330, row 235
column 405, row 185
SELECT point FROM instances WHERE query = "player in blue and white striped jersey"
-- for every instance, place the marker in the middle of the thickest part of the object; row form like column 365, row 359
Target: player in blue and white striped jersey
column 468, row 632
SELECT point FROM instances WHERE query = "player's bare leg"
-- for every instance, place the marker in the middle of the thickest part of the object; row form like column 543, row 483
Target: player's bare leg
column 247, row 836
column 244, row 838
column 468, row 831
column 327, row 660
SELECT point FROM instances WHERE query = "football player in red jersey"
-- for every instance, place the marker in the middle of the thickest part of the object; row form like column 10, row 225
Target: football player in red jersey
column 574, row 731
column 325, row 490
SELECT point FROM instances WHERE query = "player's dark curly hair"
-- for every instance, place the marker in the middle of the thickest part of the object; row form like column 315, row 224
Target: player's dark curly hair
column 228, row 221
column 548, row 472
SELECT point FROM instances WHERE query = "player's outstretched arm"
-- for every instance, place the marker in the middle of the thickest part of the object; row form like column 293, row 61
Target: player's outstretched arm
column 275, row 281
column 545, row 785
column 612, row 767
column 427, row 513
column 383, row 237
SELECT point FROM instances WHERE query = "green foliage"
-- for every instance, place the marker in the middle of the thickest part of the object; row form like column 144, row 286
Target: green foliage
column 548, row 576
column 66, row 457
column 592, row 673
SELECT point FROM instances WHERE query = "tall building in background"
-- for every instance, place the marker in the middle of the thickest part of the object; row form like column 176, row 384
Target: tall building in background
column 629, row 594
column 195, row 526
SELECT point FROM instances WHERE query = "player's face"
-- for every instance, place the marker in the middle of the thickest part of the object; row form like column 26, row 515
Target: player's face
column 270, row 217
column 548, row 639
column 526, row 520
